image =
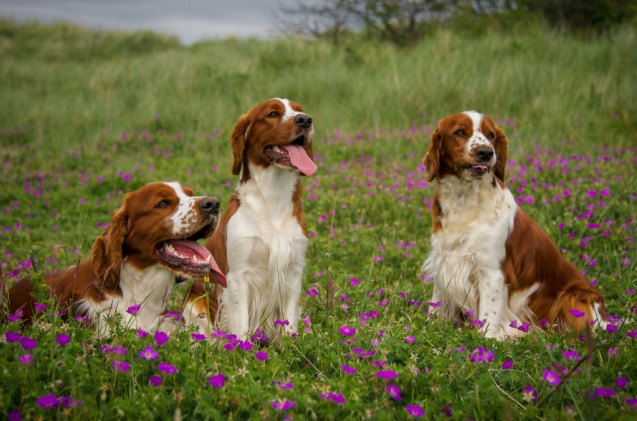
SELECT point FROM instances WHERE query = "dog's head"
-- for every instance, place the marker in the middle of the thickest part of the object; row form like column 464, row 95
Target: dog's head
column 276, row 132
column 468, row 145
column 158, row 224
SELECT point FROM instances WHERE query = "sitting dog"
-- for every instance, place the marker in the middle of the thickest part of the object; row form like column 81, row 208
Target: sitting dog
column 487, row 255
column 261, row 239
column 150, row 242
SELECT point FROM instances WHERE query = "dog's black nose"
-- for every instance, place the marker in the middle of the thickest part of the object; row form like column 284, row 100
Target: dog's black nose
column 209, row 205
column 303, row 120
column 485, row 153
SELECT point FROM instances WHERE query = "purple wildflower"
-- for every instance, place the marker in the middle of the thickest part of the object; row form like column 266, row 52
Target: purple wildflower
column 12, row 337
column 605, row 392
column 529, row 394
column 155, row 380
column 386, row 374
column 134, row 309
column 198, row 337
column 551, row 377
column 121, row 366
column 16, row 316
column 481, row 355
column 39, row 307
column 410, row 339
column 621, row 382
column 336, row 398
column 62, row 339
column 631, row 401
column 25, row 359
column 28, row 343
column 160, row 338
column 282, row 405
column 261, row 356
column 14, row 415
column 415, row 411
column 394, row 391
column 507, row 364
column 217, row 381
column 348, row 370
column 148, row 353
column 347, row 331
column 49, row 401
column 166, row 368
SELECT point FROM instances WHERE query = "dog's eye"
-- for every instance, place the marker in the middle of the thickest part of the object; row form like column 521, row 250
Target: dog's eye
column 162, row 203
column 273, row 114
column 491, row 135
column 460, row 132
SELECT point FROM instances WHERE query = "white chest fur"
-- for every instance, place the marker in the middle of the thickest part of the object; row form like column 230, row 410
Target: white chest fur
column 266, row 253
column 149, row 288
column 468, row 250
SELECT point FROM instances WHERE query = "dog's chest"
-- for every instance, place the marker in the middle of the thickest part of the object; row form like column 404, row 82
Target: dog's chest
column 265, row 230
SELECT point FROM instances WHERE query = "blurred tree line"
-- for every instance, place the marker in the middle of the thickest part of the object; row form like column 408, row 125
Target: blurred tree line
column 406, row 21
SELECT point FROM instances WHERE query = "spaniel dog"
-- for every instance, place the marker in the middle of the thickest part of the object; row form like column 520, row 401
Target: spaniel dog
column 150, row 243
column 261, row 239
column 488, row 256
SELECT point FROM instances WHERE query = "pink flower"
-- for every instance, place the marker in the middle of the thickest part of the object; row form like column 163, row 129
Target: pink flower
column 312, row 292
column 39, row 307
column 49, row 401
column 261, row 356
column 507, row 364
column 155, row 380
column 336, row 398
column 410, row 339
column 217, row 381
column 198, row 337
column 28, row 343
column 481, row 355
column 529, row 394
column 12, row 337
column 415, row 411
column 605, row 392
column 551, row 377
column 621, row 382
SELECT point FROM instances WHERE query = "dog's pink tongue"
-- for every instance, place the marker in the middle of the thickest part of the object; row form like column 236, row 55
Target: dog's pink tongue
column 217, row 274
column 301, row 160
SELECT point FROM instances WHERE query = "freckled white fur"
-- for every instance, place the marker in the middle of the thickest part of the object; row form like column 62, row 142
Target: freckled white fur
column 184, row 211
column 467, row 253
column 477, row 138
column 266, row 255
column 149, row 287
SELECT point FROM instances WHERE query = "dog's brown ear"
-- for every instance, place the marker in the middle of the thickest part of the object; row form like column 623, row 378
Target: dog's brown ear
column 501, row 146
column 238, row 139
column 432, row 158
column 107, row 249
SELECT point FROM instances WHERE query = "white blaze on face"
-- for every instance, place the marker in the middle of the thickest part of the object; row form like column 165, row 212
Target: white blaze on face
column 477, row 138
column 185, row 213
column 289, row 111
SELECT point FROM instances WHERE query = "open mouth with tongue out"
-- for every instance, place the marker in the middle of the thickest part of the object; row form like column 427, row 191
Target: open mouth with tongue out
column 189, row 258
column 292, row 155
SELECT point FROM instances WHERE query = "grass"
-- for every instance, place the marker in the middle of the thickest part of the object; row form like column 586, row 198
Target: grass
column 86, row 116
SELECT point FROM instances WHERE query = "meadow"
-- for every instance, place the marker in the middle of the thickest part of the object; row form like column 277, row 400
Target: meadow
column 86, row 116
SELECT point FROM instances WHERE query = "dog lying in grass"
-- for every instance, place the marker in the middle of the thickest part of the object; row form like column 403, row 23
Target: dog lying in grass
column 150, row 242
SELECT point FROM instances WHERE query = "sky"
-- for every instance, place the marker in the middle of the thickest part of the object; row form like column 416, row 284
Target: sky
column 189, row 20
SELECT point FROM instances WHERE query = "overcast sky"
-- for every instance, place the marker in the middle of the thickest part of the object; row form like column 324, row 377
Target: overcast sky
column 190, row 20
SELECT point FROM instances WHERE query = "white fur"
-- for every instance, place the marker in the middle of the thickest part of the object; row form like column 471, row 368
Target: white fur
column 149, row 287
column 289, row 111
column 266, row 250
column 467, row 253
column 184, row 212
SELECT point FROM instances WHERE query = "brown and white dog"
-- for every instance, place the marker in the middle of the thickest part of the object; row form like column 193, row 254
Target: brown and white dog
column 261, row 239
column 487, row 255
column 151, row 240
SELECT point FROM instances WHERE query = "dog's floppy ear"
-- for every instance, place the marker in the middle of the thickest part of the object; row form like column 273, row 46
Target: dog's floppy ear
column 107, row 249
column 501, row 146
column 432, row 158
column 238, row 139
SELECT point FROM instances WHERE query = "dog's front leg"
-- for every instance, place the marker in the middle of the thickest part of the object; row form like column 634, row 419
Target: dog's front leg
column 237, row 305
column 493, row 300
